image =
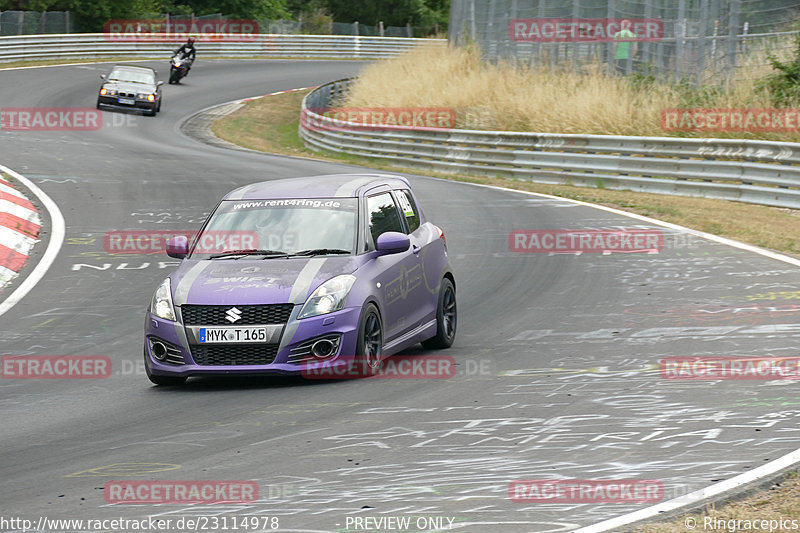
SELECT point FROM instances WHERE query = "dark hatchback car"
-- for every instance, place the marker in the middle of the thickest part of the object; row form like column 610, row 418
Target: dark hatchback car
column 131, row 87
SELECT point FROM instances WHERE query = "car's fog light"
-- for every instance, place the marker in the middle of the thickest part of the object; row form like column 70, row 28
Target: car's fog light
column 159, row 350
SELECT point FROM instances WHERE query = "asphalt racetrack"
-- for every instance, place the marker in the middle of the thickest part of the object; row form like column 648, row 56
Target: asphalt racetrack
column 557, row 354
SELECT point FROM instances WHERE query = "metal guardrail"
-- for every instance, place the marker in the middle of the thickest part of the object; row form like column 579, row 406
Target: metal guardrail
column 90, row 45
column 759, row 172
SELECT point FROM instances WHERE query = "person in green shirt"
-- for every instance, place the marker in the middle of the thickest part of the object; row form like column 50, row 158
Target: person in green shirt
column 622, row 47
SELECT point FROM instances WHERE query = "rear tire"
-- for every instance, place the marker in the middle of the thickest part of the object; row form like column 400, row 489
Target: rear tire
column 446, row 318
column 370, row 339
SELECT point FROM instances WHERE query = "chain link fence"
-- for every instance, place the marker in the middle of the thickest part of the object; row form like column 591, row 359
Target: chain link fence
column 33, row 23
column 705, row 41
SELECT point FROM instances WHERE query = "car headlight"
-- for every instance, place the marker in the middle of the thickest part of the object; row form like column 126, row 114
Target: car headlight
column 141, row 96
column 329, row 297
column 103, row 91
column 161, row 306
column 151, row 98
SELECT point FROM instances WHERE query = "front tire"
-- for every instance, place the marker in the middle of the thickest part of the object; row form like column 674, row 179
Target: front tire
column 446, row 318
column 370, row 338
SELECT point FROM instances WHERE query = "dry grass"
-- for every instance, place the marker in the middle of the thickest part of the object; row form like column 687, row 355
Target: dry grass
column 262, row 125
column 521, row 98
column 778, row 503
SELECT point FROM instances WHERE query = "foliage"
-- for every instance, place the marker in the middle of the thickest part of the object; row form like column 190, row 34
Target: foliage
column 783, row 85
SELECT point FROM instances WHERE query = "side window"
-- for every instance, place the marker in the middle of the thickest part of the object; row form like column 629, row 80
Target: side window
column 383, row 216
column 409, row 209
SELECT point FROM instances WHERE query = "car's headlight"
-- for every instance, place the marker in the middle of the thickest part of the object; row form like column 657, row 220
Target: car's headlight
column 161, row 305
column 141, row 96
column 103, row 91
column 329, row 297
column 151, row 98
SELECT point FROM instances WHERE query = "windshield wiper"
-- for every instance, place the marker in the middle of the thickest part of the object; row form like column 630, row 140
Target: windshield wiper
column 236, row 254
column 323, row 251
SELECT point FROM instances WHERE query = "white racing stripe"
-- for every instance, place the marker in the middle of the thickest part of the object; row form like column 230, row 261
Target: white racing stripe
column 6, row 275
column 18, row 211
column 8, row 189
column 17, row 241
column 57, row 231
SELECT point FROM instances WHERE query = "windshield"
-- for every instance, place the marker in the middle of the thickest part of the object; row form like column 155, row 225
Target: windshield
column 131, row 76
column 278, row 227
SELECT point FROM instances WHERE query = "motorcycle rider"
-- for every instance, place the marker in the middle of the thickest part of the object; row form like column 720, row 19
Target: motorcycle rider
column 187, row 51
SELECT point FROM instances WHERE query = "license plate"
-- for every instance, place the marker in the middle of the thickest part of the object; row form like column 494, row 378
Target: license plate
column 127, row 101
column 231, row 335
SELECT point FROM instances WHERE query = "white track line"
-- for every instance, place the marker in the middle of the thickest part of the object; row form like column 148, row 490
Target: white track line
column 57, row 232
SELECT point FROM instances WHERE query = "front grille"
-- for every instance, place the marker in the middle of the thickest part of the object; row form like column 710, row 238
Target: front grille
column 235, row 355
column 215, row 315
column 127, row 95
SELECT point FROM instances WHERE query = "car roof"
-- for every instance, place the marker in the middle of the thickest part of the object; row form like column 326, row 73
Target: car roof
column 324, row 186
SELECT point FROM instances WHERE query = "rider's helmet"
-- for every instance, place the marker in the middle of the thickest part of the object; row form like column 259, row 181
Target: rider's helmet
column 190, row 42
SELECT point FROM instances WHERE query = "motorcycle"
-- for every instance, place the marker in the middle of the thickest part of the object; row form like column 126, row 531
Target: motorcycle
column 179, row 68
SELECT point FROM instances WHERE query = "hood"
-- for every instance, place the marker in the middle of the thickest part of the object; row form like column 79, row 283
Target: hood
column 254, row 282
column 121, row 86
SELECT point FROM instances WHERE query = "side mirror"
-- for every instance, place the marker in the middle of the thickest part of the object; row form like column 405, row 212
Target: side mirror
column 392, row 242
column 102, row 76
column 159, row 84
column 178, row 247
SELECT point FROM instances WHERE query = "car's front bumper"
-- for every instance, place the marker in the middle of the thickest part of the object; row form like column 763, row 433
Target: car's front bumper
column 112, row 102
column 182, row 361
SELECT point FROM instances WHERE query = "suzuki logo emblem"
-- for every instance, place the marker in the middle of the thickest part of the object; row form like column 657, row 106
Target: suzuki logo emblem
column 232, row 315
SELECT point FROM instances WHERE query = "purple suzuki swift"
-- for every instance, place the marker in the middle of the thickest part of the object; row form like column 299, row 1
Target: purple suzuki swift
column 300, row 271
